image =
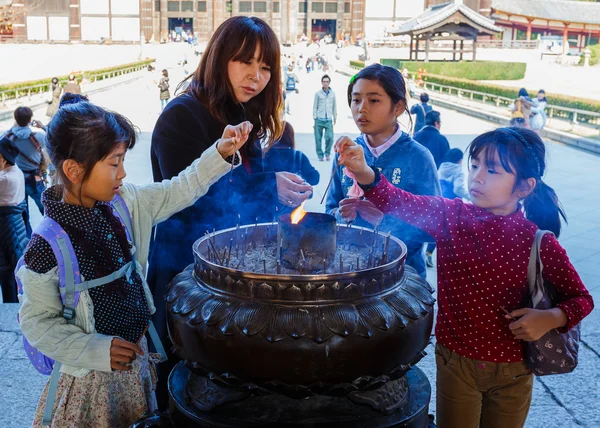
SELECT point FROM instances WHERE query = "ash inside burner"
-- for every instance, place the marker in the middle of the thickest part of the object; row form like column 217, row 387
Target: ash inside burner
column 263, row 259
column 255, row 250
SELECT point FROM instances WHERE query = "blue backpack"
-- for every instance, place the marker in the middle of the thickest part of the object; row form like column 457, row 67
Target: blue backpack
column 71, row 286
column 290, row 83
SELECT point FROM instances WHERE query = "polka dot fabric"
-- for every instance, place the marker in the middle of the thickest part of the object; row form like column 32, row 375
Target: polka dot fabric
column 482, row 266
column 101, row 247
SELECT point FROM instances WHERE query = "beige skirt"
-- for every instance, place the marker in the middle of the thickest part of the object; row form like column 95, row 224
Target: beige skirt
column 104, row 399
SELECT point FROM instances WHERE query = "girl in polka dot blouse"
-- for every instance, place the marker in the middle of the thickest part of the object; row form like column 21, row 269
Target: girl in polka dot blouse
column 107, row 376
column 483, row 255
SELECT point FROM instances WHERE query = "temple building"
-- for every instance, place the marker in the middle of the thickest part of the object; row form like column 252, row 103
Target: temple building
column 434, row 29
column 125, row 20
column 576, row 22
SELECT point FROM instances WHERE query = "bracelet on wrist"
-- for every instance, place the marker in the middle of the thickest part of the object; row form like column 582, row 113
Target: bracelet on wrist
column 366, row 187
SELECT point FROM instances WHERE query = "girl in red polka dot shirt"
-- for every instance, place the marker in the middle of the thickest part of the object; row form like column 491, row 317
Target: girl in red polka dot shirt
column 483, row 255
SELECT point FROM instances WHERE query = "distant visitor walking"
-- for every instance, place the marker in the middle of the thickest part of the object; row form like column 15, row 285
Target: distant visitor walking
column 420, row 111
column 163, row 85
column 325, row 116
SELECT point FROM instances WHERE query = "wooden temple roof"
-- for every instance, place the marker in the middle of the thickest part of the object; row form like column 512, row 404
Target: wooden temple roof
column 437, row 16
column 553, row 10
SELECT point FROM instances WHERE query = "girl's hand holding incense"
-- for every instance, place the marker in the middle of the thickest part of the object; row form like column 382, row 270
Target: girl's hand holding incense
column 351, row 207
column 534, row 323
column 122, row 354
column 348, row 209
column 233, row 138
column 352, row 157
column 369, row 212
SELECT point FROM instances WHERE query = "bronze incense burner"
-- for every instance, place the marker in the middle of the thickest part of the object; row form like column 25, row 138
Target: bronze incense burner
column 328, row 338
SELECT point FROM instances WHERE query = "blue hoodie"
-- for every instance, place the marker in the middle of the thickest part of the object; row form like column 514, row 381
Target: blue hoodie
column 24, row 145
column 407, row 165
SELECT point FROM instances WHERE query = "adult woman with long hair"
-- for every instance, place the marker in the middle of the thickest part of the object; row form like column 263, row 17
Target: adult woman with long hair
column 238, row 79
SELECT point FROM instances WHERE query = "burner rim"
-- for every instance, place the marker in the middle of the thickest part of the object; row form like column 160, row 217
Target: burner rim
column 199, row 257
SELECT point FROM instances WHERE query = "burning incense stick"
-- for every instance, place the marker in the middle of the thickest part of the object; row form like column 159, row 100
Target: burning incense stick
column 387, row 247
column 329, row 184
column 229, row 253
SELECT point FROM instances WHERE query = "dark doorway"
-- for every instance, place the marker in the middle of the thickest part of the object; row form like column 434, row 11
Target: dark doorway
column 322, row 27
column 181, row 25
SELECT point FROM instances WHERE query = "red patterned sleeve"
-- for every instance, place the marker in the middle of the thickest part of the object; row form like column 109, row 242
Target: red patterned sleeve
column 434, row 214
column 575, row 300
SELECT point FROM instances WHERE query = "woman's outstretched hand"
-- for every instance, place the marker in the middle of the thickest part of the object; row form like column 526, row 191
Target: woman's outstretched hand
column 292, row 190
column 233, row 138
column 352, row 157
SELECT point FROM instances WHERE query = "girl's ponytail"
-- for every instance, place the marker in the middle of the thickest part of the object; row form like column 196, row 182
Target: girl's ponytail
column 522, row 152
column 544, row 209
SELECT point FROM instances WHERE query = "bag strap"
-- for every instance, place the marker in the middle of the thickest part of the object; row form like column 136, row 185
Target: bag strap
column 35, row 142
column 535, row 282
column 122, row 212
column 36, row 145
column 51, row 397
column 68, row 267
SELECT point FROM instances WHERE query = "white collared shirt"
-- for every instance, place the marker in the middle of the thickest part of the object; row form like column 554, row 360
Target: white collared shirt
column 378, row 151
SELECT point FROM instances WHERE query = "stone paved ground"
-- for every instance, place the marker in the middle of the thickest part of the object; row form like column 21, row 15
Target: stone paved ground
column 559, row 402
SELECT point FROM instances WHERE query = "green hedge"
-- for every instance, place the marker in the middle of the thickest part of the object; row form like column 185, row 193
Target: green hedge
column 357, row 64
column 594, row 58
column 504, row 91
column 478, row 70
column 63, row 79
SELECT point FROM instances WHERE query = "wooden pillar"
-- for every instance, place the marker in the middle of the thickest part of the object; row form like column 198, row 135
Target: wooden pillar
column 475, row 49
column 454, row 50
column 110, row 20
column 462, row 46
column 18, row 21
column 417, row 49
column 164, row 21
column 74, row 20
column 412, row 40
column 566, row 39
column 528, row 37
column 309, row 21
column 427, row 36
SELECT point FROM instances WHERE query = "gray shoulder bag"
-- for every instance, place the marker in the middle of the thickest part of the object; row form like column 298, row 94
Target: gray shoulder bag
column 554, row 352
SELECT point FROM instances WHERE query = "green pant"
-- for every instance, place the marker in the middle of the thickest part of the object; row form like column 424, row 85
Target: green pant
column 480, row 394
column 320, row 126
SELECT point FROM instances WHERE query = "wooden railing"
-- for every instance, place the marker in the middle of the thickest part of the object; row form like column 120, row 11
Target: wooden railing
column 508, row 44
column 575, row 116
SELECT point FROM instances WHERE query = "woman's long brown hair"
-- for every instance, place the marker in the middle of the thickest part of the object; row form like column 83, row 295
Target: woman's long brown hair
column 236, row 40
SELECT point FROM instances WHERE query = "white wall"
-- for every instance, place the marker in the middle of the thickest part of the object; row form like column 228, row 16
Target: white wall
column 93, row 28
column 385, row 8
column 375, row 26
column 126, row 29
column 58, row 27
column 125, row 7
column 37, row 28
column 93, row 7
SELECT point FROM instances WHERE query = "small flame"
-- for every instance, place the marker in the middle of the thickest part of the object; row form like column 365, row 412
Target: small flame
column 298, row 214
